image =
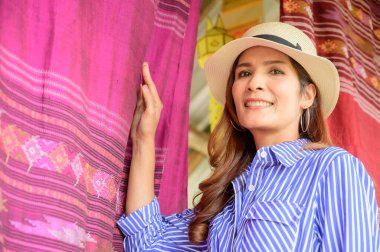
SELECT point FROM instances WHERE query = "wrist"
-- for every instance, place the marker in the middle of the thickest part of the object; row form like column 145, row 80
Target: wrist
column 142, row 145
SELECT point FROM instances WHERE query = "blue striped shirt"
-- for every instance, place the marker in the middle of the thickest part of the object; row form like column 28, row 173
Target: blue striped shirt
column 290, row 199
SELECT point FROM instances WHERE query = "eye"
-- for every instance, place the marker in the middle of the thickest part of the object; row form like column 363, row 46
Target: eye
column 243, row 74
column 276, row 72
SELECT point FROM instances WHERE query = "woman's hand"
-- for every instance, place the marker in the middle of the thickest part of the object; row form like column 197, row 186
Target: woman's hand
column 148, row 110
column 145, row 120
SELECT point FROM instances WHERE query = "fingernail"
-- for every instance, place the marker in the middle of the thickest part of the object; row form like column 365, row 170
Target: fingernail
column 145, row 87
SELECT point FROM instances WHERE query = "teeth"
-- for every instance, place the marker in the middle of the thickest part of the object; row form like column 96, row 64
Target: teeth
column 258, row 104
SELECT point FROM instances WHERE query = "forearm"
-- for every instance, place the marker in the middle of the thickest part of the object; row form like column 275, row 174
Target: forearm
column 141, row 176
column 145, row 120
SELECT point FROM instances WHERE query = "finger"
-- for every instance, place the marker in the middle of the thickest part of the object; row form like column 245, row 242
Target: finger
column 148, row 79
column 150, row 83
column 140, row 99
column 148, row 98
column 139, row 105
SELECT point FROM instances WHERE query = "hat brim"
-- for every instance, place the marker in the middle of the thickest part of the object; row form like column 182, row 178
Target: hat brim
column 321, row 70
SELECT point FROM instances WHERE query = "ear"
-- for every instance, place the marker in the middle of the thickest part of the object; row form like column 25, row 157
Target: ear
column 309, row 95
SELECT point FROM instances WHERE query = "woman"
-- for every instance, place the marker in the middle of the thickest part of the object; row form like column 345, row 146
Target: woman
column 278, row 184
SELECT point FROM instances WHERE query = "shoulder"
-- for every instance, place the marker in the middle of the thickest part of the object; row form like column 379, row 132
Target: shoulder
column 338, row 162
column 330, row 155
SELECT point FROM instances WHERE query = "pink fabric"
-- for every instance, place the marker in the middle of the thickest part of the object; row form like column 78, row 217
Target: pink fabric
column 69, row 74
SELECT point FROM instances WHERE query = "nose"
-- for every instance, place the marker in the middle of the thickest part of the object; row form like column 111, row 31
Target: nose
column 256, row 82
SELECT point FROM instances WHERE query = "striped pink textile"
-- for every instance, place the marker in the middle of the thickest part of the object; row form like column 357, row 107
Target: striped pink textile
column 348, row 33
column 69, row 73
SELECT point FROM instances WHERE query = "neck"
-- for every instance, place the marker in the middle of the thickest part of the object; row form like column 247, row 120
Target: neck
column 265, row 138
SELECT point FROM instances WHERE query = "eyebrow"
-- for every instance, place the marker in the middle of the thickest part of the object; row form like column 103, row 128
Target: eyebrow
column 271, row 62
column 268, row 62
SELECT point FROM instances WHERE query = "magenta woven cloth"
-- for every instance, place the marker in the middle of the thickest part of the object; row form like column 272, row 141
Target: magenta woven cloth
column 69, row 74
column 348, row 33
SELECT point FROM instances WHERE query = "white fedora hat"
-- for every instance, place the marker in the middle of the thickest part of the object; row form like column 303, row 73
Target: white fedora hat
column 286, row 39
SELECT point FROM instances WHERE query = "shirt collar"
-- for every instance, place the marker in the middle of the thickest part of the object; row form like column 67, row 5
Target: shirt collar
column 288, row 153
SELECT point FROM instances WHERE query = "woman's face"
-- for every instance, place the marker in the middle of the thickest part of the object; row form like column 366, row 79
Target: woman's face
column 267, row 92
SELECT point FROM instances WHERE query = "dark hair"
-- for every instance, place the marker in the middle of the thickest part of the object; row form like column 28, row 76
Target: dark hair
column 231, row 150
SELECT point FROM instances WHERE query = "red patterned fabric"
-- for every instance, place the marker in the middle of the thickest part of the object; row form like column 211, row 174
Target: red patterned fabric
column 69, row 74
column 348, row 33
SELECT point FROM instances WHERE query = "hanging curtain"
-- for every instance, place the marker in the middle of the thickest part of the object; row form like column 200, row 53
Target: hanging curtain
column 69, row 75
column 348, row 33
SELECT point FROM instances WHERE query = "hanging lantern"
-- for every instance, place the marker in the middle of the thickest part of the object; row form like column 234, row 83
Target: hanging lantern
column 216, row 36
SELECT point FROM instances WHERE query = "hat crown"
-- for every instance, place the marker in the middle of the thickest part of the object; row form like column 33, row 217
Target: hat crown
column 285, row 32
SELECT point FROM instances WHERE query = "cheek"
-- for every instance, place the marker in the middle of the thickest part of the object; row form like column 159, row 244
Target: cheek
column 288, row 91
column 236, row 93
column 237, row 96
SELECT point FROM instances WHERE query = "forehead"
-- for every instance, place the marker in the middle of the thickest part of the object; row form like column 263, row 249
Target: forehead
column 263, row 53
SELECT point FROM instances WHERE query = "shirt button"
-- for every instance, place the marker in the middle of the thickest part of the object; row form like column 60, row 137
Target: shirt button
column 251, row 188
column 263, row 154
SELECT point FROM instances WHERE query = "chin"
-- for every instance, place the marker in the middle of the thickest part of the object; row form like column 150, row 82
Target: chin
column 252, row 124
column 256, row 127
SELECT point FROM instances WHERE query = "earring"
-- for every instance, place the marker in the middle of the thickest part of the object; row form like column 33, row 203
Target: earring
column 237, row 128
column 307, row 119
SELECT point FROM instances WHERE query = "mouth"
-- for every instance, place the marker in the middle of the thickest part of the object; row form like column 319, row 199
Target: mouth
column 257, row 104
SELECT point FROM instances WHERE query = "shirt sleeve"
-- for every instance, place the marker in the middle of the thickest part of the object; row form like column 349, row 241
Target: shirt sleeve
column 347, row 214
column 146, row 230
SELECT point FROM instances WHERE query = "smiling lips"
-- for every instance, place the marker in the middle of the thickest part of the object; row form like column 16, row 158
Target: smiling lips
column 257, row 104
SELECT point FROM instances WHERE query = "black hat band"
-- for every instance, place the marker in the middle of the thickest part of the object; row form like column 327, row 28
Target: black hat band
column 278, row 40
